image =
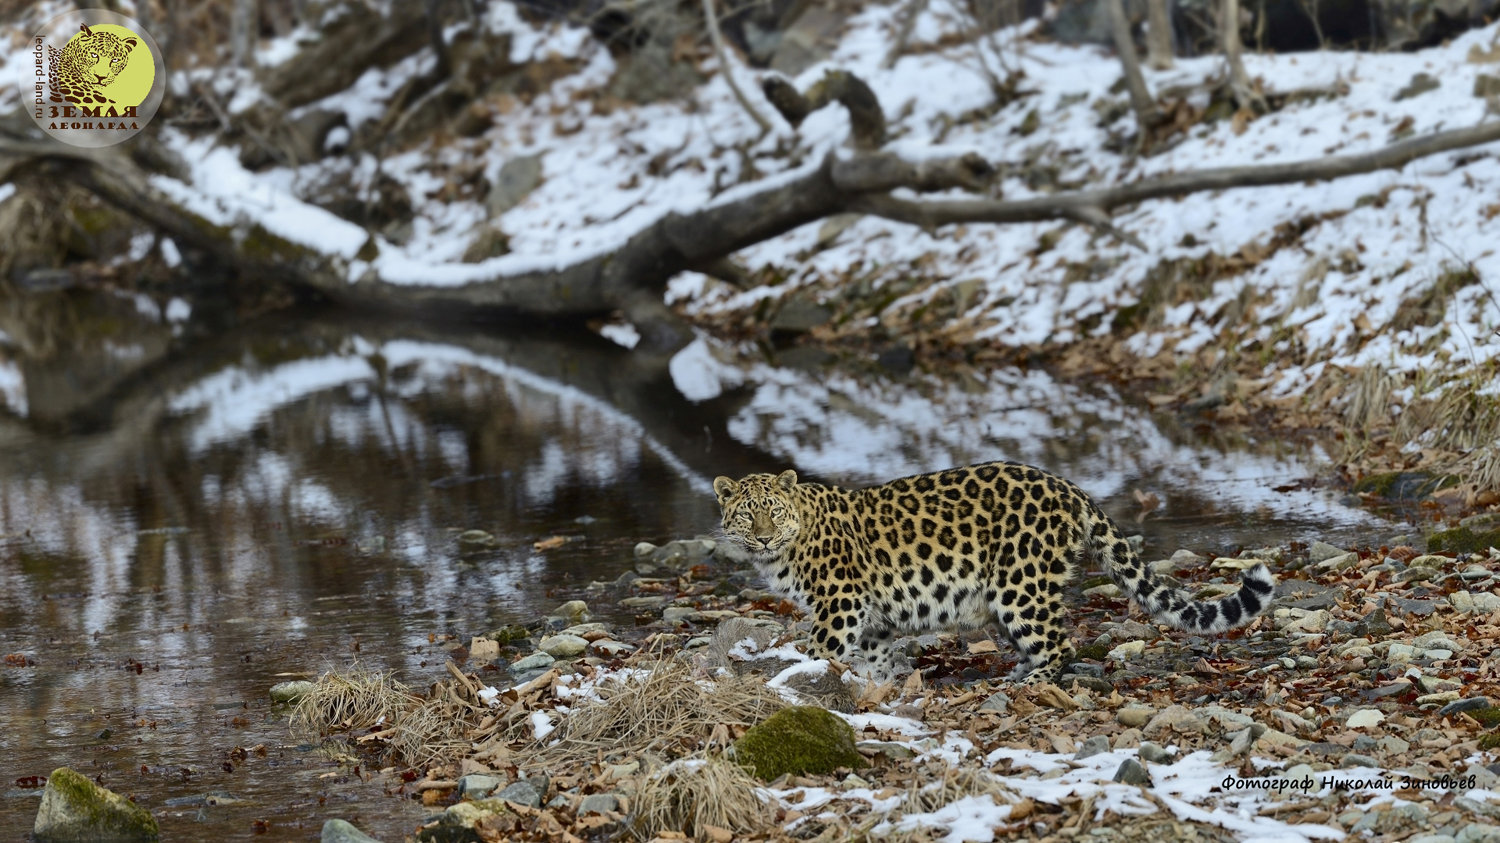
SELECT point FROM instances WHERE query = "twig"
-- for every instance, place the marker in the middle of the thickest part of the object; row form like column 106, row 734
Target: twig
column 909, row 15
column 1147, row 115
column 724, row 67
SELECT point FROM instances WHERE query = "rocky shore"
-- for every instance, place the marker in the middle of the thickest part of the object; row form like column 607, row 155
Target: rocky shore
column 1365, row 700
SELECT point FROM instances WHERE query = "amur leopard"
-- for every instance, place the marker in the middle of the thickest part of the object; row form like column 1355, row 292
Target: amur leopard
column 994, row 542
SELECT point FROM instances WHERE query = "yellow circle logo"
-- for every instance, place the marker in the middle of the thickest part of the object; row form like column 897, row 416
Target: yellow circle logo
column 97, row 78
column 103, row 64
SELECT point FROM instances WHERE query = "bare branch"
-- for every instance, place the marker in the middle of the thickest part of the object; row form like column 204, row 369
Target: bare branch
column 945, row 212
column 909, row 15
column 1240, row 87
column 712, row 17
column 1159, row 34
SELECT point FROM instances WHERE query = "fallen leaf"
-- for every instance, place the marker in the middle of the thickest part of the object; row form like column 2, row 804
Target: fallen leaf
column 549, row 543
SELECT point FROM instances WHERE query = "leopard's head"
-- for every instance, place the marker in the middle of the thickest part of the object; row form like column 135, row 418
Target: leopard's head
column 98, row 57
column 760, row 512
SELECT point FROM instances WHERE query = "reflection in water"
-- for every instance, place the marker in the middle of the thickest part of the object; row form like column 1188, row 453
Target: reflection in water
column 180, row 530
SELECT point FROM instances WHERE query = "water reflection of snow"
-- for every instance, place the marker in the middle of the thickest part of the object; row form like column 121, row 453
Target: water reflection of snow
column 861, row 430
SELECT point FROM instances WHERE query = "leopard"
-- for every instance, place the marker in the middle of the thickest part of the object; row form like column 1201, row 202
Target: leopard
column 994, row 542
column 87, row 64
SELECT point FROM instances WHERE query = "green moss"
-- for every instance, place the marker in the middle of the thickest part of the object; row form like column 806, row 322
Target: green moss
column 508, row 634
column 1097, row 652
column 802, row 739
column 1490, row 741
column 1462, row 540
column 1487, row 717
column 90, row 812
column 1403, row 485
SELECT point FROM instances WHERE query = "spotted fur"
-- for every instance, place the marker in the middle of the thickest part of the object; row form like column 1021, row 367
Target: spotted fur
column 86, row 65
column 994, row 542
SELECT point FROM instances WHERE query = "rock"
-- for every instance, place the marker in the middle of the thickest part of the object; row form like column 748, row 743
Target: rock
column 342, row 831
column 824, row 689
column 1465, row 602
column 890, row 750
column 478, row 785
column 644, row 602
column 644, row 549
column 74, row 808
column 598, row 803
column 1469, row 704
column 1305, row 594
column 529, row 792
column 1108, row 589
column 464, row 815
column 1135, row 716
column 1302, row 620
column 1375, row 623
column 476, row 537
column 1126, row 651
column 1094, row 745
column 1340, row 562
column 535, row 661
column 1420, row 608
column 1420, row 84
column 612, row 649
column 1486, row 86
column 1320, row 551
column 516, row 179
column 1365, row 718
column 1153, row 753
column 1401, row 653
column 1353, row 759
column 286, row 693
column 998, row 701
column 1174, row 718
column 800, row 739
column 563, row 646
column 1069, row 681
column 573, row 611
column 799, row 314
column 677, row 614
column 1132, row 771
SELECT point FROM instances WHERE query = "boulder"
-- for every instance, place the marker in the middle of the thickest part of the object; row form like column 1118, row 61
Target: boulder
column 74, row 808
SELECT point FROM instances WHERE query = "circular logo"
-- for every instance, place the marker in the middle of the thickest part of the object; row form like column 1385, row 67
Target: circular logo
column 96, row 78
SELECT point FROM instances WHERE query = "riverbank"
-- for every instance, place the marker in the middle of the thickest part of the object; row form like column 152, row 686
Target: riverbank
column 1363, row 701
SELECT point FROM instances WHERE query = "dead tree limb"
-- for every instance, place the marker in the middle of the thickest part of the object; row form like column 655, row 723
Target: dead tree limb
column 1158, row 34
column 1240, row 87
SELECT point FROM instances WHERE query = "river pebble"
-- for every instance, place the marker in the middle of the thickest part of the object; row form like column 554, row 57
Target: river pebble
column 563, row 646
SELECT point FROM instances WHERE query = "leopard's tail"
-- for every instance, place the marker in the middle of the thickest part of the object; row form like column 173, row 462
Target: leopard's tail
column 1165, row 604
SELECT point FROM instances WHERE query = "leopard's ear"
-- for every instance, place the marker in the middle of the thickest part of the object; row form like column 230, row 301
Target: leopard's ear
column 787, row 479
column 725, row 487
column 129, row 44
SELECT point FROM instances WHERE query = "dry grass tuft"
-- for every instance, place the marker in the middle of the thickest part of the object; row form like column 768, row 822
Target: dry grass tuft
column 341, row 701
column 432, row 730
column 690, row 795
column 940, row 785
column 670, row 710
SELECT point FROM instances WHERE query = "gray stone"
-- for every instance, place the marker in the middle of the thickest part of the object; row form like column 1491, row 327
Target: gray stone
column 535, row 661
column 1082, row 680
column 1132, row 771
column 1153, row 753
column 342, row 831
column 1469, row 704
column 1486, row 86
column 524, row 792
column 825, row 690
column 598, row 803
column 651, row 602
column 1482, row 522
column 74, row 808
column 478, row 785
column 573, row 611
column 888, row 749
column 1305, row 594
column 1092, row 746
column 1320, row 551
column 1374, row 624
column 563, row 646
column 1420, row 84
column 677, row 614
column 286, row 693
column 517, row 178
column 1354, row 759
column 798, row 314
column 997, row 701
column 1420, row 608
column 1135, row 716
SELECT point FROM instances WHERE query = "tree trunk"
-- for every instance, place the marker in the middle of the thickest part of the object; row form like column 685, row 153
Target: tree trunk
column 1158, row 34
column 244, row 23
column 1240, row 87
column 1146, row 114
